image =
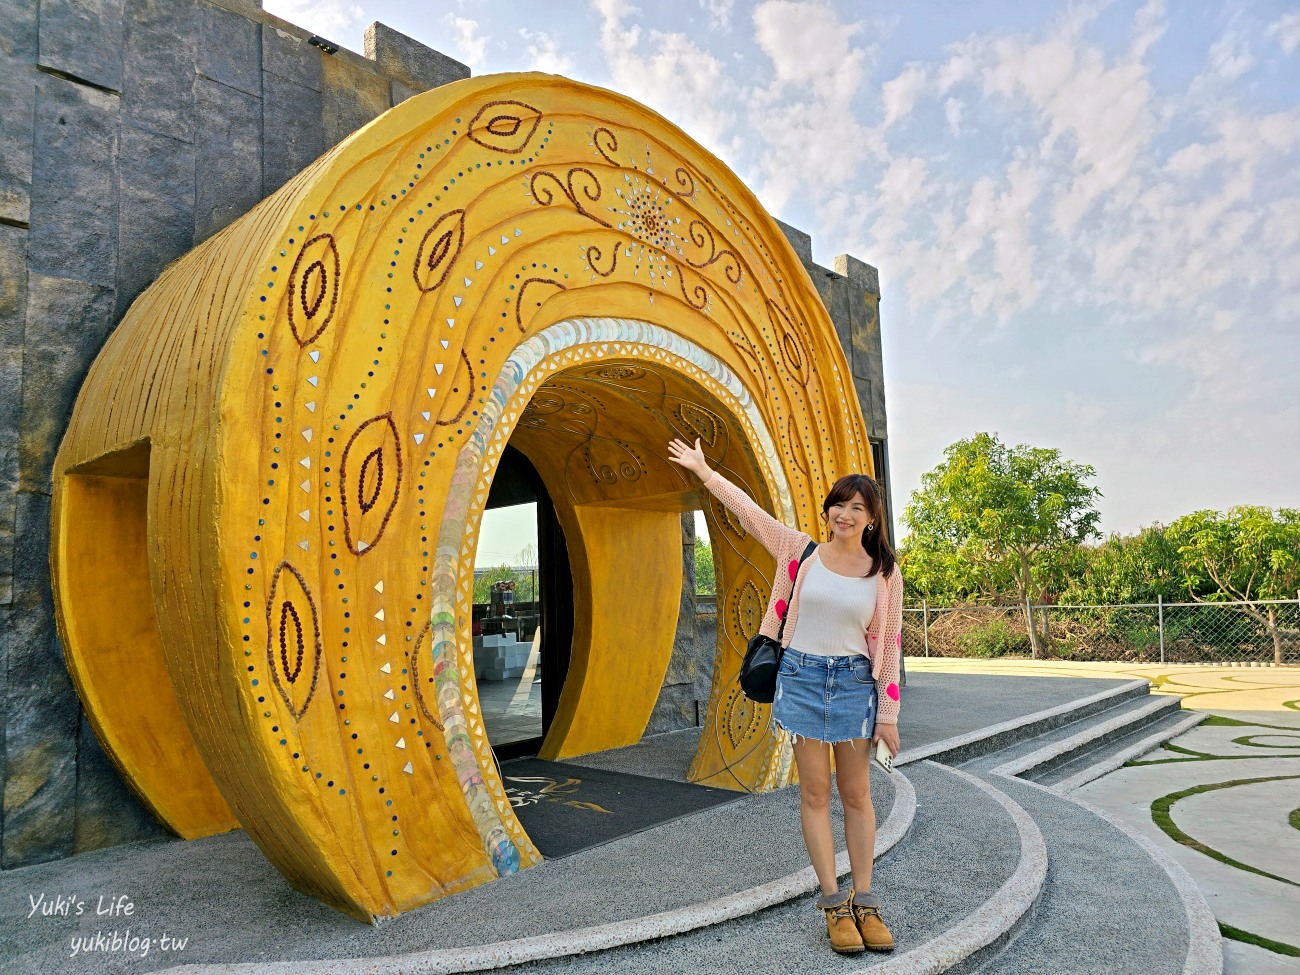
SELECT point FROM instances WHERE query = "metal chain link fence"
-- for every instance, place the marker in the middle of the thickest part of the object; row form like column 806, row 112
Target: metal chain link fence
column 1260, row 632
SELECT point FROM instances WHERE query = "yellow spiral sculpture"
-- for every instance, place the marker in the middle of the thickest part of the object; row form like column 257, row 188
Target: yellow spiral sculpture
column 267, row 503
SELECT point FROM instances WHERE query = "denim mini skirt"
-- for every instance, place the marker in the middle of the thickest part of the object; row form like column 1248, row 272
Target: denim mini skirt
column 831, row 699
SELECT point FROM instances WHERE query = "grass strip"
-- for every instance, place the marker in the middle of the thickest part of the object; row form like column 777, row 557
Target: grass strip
column 1208, row 758
column 1218, row 721
column 1294, row 819
column 1160, row 815
column 1259, row 941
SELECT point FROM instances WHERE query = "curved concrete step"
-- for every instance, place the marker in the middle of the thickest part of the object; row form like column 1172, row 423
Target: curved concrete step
column 684, row 842
column 1095, row 763
column 1088, row 735
column 1113, row 902
column 967, row 873
column 1026, row 728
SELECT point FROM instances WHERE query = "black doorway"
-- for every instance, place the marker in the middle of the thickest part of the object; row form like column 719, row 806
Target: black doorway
column 517, row 482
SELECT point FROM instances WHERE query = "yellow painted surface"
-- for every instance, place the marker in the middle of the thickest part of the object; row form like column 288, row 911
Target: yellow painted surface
column 630, row 570
column 327, row 386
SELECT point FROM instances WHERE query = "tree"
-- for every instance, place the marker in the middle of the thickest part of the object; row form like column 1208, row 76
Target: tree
column 1003, row 510
column 705, row 581
column 1247, row 554
column 1127, row 569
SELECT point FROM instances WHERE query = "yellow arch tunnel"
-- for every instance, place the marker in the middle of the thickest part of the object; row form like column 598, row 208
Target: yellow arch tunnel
column 266, row 506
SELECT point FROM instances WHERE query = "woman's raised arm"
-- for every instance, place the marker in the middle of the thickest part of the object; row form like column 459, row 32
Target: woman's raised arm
column 772, row 534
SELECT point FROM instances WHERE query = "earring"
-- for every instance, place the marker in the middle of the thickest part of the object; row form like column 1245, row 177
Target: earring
column 871, row 527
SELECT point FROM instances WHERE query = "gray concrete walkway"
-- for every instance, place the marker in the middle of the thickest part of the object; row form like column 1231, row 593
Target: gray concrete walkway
column 229, row 905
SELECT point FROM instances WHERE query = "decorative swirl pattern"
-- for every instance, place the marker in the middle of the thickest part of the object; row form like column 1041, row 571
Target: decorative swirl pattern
column 613, row 145
column 595, row 254
column 286, row 637
column 700, row 293
column 438, row 250
column 519, row 302
column 702, row 236
column 685, row 183
column 381, row 449
column 609, row 470
column 505, row 126
column 590, row 188
column 314, row 289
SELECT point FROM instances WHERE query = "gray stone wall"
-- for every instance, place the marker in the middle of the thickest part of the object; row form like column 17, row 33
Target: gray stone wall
column 130, row 130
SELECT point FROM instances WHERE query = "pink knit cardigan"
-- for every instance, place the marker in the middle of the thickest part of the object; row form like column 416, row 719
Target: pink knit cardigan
column 883, row 635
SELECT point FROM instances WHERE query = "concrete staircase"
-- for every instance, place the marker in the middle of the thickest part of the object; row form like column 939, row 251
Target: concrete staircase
column 984, row 862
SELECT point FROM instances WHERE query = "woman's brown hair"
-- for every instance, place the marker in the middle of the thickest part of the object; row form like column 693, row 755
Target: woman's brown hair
column 875, row 541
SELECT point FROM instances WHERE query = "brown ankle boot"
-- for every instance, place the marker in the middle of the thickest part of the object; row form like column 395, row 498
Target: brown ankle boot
column 840, row 924
column 866, row 915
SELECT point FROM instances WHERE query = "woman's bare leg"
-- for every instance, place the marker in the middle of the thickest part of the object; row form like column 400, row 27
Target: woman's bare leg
column 813, row 760
column 853, row 779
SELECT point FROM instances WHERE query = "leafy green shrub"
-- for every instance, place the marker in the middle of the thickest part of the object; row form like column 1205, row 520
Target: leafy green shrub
column 993, row 639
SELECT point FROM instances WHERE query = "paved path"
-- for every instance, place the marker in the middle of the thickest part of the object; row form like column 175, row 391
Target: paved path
column 1254, row 734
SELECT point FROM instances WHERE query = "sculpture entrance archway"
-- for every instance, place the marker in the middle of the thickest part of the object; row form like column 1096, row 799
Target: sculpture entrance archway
column 267, row 502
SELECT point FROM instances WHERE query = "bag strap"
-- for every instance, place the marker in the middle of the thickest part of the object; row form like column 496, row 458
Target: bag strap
column 808, row 550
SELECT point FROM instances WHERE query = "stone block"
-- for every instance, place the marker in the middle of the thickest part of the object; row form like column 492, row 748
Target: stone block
column 858, row 272
column 290, row 57
column 158, row 57
column 74, row 183
column 8, row 530
column 108, row 813
column 350, row 98
column 18, row 22
column 291, row 126
column 17, row 113
column 228, row 50
column 67, row 323
column 40, row 775
column 82, row 39
column 156, row 202
column 227, row 156
column 398, row 92
column 834, row 293
column 800, row 241
column 406, row 60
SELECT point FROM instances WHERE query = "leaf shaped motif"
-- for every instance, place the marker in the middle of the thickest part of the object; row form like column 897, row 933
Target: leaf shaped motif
column 742, row 719
column 505, row 126
column 370, row 473
column 792, row 352
column 293, row 640
column 705, row 424
column 746, row 606
column 438, row 250
column 313, row 289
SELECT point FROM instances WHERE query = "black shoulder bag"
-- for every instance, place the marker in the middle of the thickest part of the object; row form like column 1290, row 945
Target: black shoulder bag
column 763, row 655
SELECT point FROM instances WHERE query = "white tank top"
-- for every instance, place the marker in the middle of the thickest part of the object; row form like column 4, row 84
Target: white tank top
column 834, row 612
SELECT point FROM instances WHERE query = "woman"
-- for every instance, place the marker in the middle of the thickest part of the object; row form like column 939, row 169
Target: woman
column 844, row 645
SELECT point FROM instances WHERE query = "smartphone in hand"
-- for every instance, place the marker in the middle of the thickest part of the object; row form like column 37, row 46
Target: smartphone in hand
column 883, row 756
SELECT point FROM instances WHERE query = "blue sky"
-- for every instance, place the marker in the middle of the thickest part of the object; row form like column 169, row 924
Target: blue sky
column 1086, row 216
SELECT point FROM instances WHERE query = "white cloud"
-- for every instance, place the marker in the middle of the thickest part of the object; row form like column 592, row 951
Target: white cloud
column 899, row 94
column 471, row 45
column 670, row 74
column 544, row 53
column 719, row 12
column 1287, row 31
column 1230, row 57
column 332, row 19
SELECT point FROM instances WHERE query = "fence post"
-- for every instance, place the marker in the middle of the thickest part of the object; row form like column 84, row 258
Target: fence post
column 1160, row 609
column 925, row 624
